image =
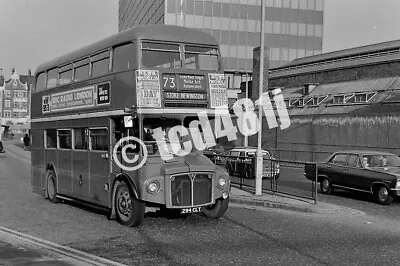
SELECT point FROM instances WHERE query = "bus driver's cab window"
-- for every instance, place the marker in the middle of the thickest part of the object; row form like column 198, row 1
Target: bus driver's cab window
column 149, row 124
column 124, row 128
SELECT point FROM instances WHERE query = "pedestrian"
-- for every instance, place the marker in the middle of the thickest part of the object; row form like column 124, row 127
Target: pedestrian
column 1, row 148
column 27, row 141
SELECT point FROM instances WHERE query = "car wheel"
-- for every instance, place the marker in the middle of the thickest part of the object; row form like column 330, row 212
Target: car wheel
column 326, row 186
column 216, row 210
column 52, row 187
column 382, row 195
column 129, row 210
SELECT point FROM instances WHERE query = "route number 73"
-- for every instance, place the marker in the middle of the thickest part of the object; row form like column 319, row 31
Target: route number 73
column 169, row 82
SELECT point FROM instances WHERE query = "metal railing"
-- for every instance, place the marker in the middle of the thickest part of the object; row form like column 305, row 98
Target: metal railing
column 279, row 176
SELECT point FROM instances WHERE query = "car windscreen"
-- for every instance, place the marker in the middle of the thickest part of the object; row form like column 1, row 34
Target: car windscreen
column 253, row 154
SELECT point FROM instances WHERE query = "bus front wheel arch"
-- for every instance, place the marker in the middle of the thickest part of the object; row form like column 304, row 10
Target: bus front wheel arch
column 129, row 210
column 216, row 210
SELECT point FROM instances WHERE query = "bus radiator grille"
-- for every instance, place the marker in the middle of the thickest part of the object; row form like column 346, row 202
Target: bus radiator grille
column 185, row 185
column 181, row 190
column 202, row 189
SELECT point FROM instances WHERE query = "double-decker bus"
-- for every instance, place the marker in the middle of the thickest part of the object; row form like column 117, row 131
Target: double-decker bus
column 85, row 102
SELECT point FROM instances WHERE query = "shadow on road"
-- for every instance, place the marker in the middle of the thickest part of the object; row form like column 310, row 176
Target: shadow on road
column 359, row 196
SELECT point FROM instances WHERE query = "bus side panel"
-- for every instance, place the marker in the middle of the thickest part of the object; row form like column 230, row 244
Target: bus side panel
column 80, row 158
column 80, row 173
column 37, row 163
column 64, row 164
column 64, row 171
column 99, row 168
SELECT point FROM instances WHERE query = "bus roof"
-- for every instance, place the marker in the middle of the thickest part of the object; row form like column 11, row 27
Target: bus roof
column 152, row 32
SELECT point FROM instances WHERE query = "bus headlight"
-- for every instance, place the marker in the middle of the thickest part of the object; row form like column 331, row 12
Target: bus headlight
column 221, row 181
column 153, row 187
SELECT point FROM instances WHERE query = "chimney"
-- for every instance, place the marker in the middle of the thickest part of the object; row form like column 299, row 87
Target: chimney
column 12, row 71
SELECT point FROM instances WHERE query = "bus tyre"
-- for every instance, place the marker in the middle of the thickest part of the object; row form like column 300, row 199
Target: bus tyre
column 216, row 210
column 129, row 210
column 52, row 187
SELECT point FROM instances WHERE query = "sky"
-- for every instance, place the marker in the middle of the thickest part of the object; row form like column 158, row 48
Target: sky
column 352, row 23
column 34, row 31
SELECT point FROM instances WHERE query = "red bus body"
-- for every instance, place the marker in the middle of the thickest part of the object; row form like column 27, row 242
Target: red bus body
column 77, row 119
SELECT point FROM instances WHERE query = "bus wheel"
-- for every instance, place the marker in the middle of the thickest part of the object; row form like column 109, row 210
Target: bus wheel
column 52, row 187
column 129, row 210
column 216, row 210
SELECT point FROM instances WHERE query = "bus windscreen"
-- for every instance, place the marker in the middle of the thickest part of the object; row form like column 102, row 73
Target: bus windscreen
column 161, row 55
column 164, row 55
column 201, row 58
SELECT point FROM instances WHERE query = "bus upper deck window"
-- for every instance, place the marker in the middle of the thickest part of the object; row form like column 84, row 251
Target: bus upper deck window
column 161, row 55
column 124, row 57
column 40, row 82
column 100, row 64
column 81, row 69
column 65, row 74
column 202, row 58
column 52, row 76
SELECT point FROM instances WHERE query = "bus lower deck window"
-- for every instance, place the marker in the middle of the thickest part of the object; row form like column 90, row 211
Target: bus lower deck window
column 51, row 138
column 64, row 139
column 99, row 139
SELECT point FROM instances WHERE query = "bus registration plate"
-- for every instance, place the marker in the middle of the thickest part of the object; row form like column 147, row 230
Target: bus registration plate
column 191, row 210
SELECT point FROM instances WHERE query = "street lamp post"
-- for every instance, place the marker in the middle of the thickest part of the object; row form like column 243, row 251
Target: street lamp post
column 259, row 160
column 246, row 138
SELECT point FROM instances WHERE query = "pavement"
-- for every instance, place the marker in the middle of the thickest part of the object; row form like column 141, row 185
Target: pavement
column 14, row 148
column 284, row 202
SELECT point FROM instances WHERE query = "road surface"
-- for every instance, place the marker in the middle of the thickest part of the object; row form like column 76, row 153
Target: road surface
column 245, row 236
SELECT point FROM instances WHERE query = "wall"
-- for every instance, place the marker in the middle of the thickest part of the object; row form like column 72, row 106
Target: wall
column 309, row 139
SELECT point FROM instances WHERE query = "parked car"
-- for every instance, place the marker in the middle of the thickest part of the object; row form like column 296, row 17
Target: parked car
column 216, row 154
column 241, row 162
column 377, row 173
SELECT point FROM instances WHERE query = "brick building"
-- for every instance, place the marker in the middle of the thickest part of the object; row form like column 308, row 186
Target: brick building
column 15, row 101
